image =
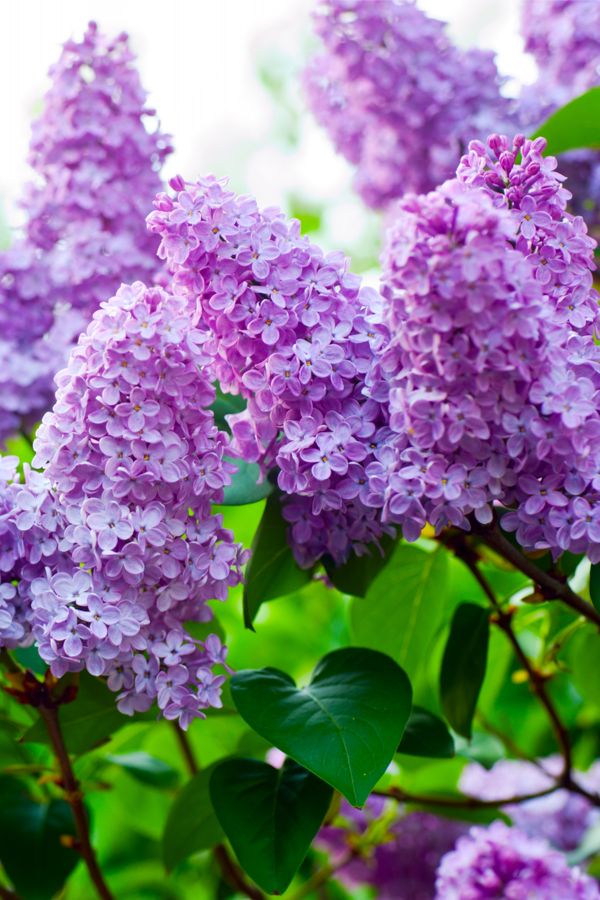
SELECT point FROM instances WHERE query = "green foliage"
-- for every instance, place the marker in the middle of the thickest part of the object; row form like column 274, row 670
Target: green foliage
column 246, row 486
column 355, row 576
column 272, row 571
column 575, row 125
column 595, row 585
column 269, row 815
column 192, row 825
column 426, row 735
column 146, row 768
column 344, row 726
column 463, row 665
column 32, row 846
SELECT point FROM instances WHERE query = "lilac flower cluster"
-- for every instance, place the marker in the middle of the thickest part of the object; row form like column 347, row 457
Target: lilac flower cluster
column 396, row 854
column 398, row 99
column 295, row 333
column 561, row 818
column 493, row 369
column 500, row 861
column 135, row 461
column 96, row 165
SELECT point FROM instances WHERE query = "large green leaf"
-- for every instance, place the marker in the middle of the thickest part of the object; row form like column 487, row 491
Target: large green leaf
column 192, row 824
column 344, row 726
column 403, row 608
column 575, row 125
column 245, row 486
column 463, row 665
column 31, row 850
column 86, row 721
column 426, row 735
column 272, row 571
column 355, row 575
column 269, row 815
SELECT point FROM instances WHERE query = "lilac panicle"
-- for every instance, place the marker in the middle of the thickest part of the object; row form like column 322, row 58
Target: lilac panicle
column 398, row 99
column 500, row 861
column 96, row 153
column 492, row 367
column 295, row 333
column 135, row 461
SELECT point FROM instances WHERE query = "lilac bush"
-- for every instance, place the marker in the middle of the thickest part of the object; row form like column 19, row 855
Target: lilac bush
column 96, row 154
column 295, row 333
column 398, row 99
column 500, row 861
column 132, row 463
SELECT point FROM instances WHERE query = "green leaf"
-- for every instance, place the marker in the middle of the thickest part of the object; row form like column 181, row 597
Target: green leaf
column 344, row 726
column 463, row 665
column 201, row 630
column 226, row 405
column 272, row 571
column 146, row 768
column 87, row 721
column 403, row 608
column 191, row 825
column 426, row 735
column 269, row 815
column 595, row 585
column 245, row 487
column 355, row 576
column 31, row 851
column 575, row 125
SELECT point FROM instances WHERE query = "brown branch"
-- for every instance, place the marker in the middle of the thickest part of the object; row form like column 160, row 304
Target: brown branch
column 551, row 588
column 74, row 796
column 463, row 802
column 7, row 894
column 230, row 871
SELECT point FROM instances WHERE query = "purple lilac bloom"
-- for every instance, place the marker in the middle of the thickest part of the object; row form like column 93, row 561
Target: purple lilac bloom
column 401, row 865
column 295, row 333
column 142, row 552
column 398, row 99
column 561, row 818
column 96, row 152
column 492, row 367
column 499, row 861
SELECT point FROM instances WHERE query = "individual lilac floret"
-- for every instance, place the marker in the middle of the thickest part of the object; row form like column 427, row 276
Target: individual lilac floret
column 398, row 99
column 294, row 332
column 492, row 366
column 96, row 161
column 128, row 449
column 400, row 859
column 500, row 861
column 562, row 818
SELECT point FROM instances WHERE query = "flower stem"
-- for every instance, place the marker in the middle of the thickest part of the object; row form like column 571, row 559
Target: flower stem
column 464, row 802
column 74, row 796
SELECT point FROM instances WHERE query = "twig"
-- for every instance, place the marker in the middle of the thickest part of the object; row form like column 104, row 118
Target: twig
column 74, row 796
column 7, row 894
column 229, row 869
column 508, row 742
column 550, row 587
column 464, row 802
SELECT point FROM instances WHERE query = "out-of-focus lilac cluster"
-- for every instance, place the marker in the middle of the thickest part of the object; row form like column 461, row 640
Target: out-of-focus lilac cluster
column 562, row 818
column 500, row 861
column 295, row 333
column 132, row 463
column 96, row 166
column 397, row 854
column 398, row 99
column 492, row 365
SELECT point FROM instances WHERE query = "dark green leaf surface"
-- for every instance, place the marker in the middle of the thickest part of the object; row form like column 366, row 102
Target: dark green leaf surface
column 192, row 824
column 245, row 486
column 595, row 585
column 345, row 726
column 272, row 571
column 269, row 815
column 575, row 125
column 355, row 576
column 463, row 665
column 31, row 851
column 146, row 768
column 426, row 735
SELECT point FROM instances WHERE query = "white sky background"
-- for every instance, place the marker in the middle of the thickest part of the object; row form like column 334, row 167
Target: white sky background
column 199, row 60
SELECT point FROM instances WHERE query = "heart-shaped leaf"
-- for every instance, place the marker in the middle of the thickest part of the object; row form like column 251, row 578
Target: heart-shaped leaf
column 345, row 726
column 464, row 664
column 575, row 125
column 426, row 735
column 192, row 824
column 269, row 815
